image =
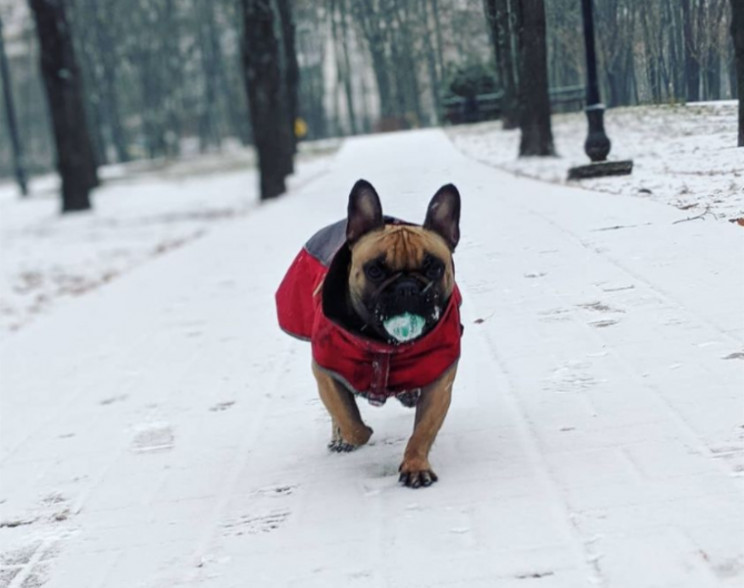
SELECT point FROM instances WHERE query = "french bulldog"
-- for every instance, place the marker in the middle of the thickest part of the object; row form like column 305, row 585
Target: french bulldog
column 377, row 299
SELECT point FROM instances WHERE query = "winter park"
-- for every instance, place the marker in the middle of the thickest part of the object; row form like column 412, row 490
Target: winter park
column 391, row 293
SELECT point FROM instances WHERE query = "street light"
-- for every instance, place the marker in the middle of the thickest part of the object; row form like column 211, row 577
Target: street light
column 597, row 144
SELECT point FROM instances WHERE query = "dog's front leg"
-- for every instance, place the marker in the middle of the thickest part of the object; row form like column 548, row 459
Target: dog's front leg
column 431, row 409
column 348, row 429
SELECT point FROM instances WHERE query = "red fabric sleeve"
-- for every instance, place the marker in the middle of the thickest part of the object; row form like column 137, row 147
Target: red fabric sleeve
column 299, row 295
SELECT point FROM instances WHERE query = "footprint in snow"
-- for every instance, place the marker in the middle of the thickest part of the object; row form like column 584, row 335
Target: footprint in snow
column 255, row 524
column 153, row 437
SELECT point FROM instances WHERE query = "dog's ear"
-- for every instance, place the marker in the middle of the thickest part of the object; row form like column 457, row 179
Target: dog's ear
column 443, row 215
column 365, row 211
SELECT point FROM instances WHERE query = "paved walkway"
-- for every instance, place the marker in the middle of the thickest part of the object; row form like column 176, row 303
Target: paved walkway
column 162, row 432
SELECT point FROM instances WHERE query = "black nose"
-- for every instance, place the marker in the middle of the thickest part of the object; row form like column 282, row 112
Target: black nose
column 407, row 288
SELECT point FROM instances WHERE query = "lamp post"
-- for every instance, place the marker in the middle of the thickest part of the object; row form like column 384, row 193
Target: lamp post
column 597, row 144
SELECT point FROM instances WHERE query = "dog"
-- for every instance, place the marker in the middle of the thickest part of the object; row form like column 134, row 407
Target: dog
column 377, row 299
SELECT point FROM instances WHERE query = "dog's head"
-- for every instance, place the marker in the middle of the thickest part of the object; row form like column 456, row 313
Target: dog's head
column 401, row 276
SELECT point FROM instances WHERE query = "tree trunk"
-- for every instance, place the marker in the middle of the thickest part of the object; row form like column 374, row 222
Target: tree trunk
column 440, row 42
column 171, row 76
column 407, row 78
column 376, row 32
column 692, row 59
column 291, row 78
column 651, row 58
column 108, row 55
column 10, row 117
column 385, row 86
column 737, row 32
column 676, row 44
column 534, row 120
column 500, row 15
column 431, row 61
column 263, row 76
column 210, row 133
column 93, row 102
column 345, row 64
column 61, row 75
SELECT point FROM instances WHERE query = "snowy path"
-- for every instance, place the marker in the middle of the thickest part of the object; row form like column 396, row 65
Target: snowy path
column 162, row 431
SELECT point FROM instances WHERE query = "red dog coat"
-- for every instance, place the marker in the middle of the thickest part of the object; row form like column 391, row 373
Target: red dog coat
column 369, row 368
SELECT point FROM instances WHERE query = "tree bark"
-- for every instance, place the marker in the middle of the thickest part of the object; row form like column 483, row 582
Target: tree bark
column 265, row 89
column 737, row 33
column 210, row 129
column 431, row 61
column 10, row 117
column 534, row 120
column 109, row 61
column 440, row 42
column 339, row 18
column 368, row 14
column 615, row 23
column 62, row 81
column 291, row 77
column 348, row 86
column 500, row 16
column 676, row 47
column 692, row 58
column 407, row 60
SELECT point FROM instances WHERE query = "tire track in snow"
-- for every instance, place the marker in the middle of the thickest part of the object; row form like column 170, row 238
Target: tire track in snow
column 581, row 545
column 255, row 428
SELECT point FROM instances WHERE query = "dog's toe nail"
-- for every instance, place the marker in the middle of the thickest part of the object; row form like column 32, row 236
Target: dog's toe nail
column 341, row 446
column 426, row 479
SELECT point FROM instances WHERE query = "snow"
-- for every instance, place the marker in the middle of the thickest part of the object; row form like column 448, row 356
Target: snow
column 684, row 155
column 143, row 211
column 162, row 431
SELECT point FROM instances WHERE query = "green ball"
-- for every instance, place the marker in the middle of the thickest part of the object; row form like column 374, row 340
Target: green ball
column 405, row 327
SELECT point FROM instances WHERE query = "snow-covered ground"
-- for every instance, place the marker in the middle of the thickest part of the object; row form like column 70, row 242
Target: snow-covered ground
column 683, row 155
column 142, row 211
column 160, row 430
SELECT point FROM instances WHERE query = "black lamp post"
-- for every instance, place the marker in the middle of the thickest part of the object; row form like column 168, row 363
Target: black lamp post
column 597, row 144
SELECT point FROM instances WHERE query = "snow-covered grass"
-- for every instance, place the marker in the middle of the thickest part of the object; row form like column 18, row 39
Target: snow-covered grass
column 143, row 209
column 684, row 155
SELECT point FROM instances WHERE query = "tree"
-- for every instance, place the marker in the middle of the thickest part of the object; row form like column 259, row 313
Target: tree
column 500, row 16
column 266, row 88
column 291, row 76
column 737, row 32
column 64, row 89
column 10, row 117
column 339, row 20
column 616, row 23
column 371, row 17
column 534, row 119
column 392, row 30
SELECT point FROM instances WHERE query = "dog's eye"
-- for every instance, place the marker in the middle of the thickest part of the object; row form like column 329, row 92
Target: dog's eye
column 375, row 272
column 433, row 268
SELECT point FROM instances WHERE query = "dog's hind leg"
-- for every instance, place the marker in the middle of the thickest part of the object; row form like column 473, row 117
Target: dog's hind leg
column 348, row 429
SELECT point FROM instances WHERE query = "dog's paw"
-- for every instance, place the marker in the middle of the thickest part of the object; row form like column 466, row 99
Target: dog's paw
column 416, row 474
column 357, row 438
column 341, row 446
column 418, row 479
